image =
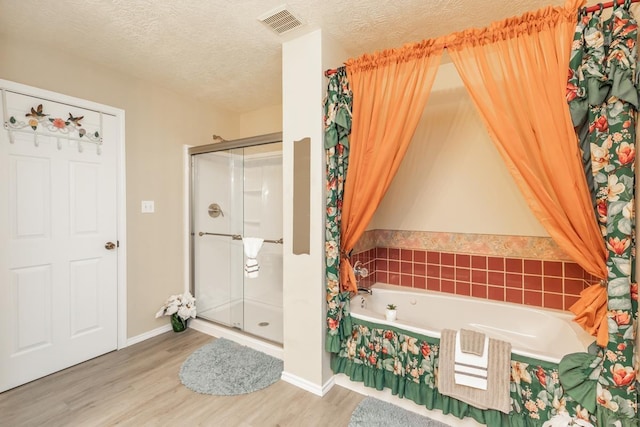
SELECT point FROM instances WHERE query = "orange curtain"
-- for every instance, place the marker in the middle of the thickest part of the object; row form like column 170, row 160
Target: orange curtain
column 516, row 73
column 390, row 90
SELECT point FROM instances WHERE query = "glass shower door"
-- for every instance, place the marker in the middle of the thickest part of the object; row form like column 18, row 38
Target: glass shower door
column 263, row 218
column 217, row 211
column 238, row 193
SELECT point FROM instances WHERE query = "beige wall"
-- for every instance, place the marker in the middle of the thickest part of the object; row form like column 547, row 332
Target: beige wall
column 452, row 177
column 158, row 123
column 302, row 274
column 304, row 59
column 262, row 121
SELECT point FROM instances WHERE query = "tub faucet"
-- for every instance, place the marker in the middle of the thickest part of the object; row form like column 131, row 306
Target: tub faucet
column 365, row 290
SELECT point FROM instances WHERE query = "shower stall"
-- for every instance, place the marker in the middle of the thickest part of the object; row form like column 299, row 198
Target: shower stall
column 236, row 193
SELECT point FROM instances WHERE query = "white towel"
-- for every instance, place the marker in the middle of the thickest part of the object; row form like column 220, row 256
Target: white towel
column 470, row 369
column 252, row 246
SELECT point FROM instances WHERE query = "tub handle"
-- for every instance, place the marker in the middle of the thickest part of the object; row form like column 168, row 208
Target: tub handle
column 359, row 270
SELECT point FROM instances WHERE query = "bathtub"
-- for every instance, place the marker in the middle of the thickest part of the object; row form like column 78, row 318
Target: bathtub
column 533, row 332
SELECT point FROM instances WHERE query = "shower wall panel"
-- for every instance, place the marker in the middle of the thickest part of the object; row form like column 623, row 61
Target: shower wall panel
column 263, row 218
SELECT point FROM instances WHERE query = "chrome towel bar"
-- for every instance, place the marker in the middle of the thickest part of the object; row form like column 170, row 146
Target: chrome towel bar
column 237, row 237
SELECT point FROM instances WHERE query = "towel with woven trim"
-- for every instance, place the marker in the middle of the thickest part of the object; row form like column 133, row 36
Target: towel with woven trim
column 469, row 368
column 498, row 370
column 472, row 341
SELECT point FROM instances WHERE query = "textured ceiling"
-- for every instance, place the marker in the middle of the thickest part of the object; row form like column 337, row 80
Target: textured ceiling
column 217, row 51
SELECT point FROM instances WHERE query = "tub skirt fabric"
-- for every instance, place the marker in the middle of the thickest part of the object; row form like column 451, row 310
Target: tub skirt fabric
column 338, row 321
column 381, row 357
column 579, row 375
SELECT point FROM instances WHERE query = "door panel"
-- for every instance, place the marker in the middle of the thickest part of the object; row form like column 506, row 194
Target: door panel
column 30, row 196
column 31, row 295
column 60, row 280
column 85, row 296
column 83, row 198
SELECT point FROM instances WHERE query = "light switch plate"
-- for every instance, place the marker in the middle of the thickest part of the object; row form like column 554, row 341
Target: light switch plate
column 148, row 206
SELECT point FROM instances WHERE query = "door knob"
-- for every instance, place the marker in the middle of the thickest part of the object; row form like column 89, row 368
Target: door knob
column 110, row 246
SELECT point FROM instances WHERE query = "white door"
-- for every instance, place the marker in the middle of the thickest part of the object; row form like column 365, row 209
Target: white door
column 58, row 280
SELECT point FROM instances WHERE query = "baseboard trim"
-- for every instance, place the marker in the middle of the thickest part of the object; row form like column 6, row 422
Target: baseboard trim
column 308, row 385
column 328, row 385
column 217, row 331
column 147, row 335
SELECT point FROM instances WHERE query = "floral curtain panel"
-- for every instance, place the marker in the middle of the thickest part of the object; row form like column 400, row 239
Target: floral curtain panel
column 337, row 127
column 603, row 99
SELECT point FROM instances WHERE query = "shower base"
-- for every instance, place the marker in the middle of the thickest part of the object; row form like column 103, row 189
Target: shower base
column 260, row 319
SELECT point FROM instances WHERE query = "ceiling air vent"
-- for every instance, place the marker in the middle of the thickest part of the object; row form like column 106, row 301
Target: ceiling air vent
column 280, row 20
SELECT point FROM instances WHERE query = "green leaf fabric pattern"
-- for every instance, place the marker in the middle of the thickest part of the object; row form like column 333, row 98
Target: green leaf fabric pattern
column 579, row 373
column 602, row 90
column 337, row 127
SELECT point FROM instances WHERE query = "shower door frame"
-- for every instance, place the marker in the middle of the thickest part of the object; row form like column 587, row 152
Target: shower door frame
column 270, row 138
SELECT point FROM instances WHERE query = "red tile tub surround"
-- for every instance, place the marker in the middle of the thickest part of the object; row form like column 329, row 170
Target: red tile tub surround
column 368, row 260
column 540, row 283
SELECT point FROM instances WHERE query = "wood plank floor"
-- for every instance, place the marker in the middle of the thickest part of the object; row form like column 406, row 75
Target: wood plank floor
column 139, row 386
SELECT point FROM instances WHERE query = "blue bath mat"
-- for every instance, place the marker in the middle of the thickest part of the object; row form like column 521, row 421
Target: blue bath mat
column 376, row 413
column 225, row 368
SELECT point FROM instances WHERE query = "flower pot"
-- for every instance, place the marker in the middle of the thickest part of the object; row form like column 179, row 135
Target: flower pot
column 179, row 324
column 390, row 315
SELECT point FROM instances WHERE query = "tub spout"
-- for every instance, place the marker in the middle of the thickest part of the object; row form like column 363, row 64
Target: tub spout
column 365, row 290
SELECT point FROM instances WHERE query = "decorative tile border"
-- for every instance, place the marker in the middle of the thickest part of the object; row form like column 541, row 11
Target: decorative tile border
column 367, row 241
column 538, row 248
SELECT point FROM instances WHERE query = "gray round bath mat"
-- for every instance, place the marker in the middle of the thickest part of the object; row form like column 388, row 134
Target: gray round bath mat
column 373, row 412
column 226, row 368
